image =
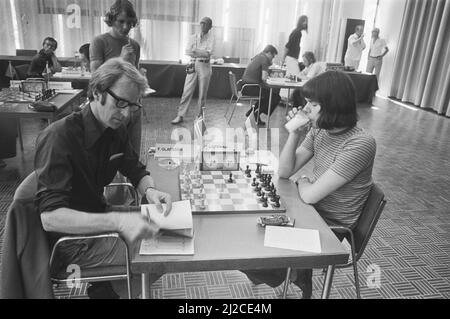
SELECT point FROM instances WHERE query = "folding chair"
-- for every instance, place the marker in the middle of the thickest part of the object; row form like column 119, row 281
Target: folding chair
column 238, row 94
column 27, row 189
column 358, row 238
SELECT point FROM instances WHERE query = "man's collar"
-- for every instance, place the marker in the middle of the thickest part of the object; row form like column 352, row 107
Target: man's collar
column 93, row 130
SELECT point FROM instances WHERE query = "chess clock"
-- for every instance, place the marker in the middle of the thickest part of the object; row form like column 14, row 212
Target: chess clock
column 219, row 160
column 34, row 85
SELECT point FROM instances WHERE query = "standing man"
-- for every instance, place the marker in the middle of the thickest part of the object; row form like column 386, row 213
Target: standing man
column 44, row 57
column 121, row 17
column 377, row 51
column 200, row 49
column 356, row 45
column 257, row 72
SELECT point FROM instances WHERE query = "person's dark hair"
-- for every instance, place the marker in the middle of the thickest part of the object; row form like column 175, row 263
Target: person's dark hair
column 84, row 49
column 335, row 92
column 117, row 8
column 308, row 55
column 270, row 49
column 51, row 40
column 300, row 22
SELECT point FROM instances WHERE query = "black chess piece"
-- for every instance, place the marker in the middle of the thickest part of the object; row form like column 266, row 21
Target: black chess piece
column 265, row 203
column 263, row 198
column 258, row 169
column 230, row 179
column 254, row 182
column 276, row 203
column 259, row 193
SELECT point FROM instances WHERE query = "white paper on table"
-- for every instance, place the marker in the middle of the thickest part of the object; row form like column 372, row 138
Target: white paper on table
column 293, row 238
column 167, row 245
column 179, row 219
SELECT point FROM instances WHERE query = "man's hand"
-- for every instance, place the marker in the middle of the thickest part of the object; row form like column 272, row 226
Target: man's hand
column 134, row 227
column 158, row 198
column 127, row 52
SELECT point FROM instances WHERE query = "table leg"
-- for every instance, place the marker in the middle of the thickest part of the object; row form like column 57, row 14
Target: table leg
column 145, row 283
column 328, row 282
column 268, row 111
column 287, row 101
column 19, row 129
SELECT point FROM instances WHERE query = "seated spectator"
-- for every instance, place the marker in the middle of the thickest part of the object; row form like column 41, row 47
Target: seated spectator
column 85, row 59
column 343, row 155
column 258, row 72
column 312, row 69
column 45, row 56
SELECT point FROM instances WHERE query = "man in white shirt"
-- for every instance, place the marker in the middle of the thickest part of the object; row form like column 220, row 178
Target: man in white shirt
column 200, row 49
column 378, row 50
column 355, row 47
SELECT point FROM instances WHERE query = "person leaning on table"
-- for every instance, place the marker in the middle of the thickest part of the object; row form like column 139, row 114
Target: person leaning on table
column 343, row 156
column 76, row 157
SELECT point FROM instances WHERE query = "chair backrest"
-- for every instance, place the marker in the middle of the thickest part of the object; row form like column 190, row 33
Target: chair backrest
column 22, row 71
column 26, row 52
column 28, row 187
column 368, row 219
column 233, row 85
column 227, row 59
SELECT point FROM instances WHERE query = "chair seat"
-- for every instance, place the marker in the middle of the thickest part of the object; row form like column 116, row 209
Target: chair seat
column 93, row 272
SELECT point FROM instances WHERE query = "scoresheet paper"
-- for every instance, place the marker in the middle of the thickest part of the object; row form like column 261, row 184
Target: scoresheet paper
column 293, row 238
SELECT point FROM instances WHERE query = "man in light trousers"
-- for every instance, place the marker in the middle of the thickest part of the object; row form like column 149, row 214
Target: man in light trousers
column 378, row 50
column 200, row 49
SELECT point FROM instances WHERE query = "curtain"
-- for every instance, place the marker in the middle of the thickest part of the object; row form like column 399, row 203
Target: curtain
column 242, row 28
column 422, row 64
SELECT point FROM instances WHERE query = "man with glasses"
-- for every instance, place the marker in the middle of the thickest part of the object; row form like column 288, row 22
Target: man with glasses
column 76, row 157
column 200, row 49
column 45, row 57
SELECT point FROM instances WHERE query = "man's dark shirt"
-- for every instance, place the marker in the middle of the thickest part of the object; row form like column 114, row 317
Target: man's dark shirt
column 253, row 72
column 293, row 44
column 76, row 157
column 38, row 64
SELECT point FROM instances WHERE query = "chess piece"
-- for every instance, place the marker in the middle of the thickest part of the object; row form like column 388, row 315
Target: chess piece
column 258, row 169
column 254, row 182
column 263, row 198
column 276, row 203
column 265, row 203
column 230, row 179
column 259, row 193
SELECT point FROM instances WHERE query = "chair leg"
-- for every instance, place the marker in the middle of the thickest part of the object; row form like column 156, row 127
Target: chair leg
column 232, row 113
column 228, row 107
column 286, row 282
column 355, row 266
column 19, row 130
column 130, row 296
column 328, row 282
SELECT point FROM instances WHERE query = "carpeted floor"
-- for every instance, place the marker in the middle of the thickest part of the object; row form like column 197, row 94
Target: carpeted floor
column 411, row 244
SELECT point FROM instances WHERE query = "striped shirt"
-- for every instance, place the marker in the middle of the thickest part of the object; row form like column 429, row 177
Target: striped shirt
column 349, row 154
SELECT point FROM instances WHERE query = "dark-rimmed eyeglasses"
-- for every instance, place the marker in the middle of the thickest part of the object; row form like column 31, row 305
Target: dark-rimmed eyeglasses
column 123, row 104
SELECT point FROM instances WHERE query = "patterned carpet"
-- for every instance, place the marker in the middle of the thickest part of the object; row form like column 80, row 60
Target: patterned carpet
column 410, row 245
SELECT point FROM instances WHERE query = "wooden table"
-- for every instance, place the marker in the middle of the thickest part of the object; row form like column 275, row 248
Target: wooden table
column 66, row 102
column 281, row 83
column 236, row 242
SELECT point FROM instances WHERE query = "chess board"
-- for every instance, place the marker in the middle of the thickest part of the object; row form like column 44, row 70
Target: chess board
column 222, row 196
column 14, row 96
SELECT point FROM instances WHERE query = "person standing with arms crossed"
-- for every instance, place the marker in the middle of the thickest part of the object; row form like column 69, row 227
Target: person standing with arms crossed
column 200, row 49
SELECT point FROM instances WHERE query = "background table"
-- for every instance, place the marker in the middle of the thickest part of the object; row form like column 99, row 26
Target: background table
column 167, row 77
column 236, row 242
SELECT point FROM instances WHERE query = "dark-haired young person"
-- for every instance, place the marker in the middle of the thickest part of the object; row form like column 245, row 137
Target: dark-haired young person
column 343, row 156
column 40, row 60
column 121, row 17
column 292, row 48
column 257, row 72
column 85, row 58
